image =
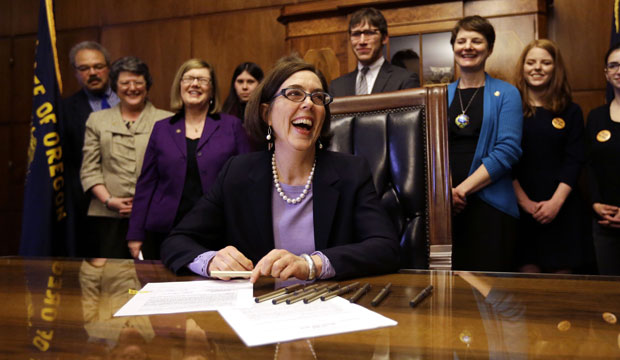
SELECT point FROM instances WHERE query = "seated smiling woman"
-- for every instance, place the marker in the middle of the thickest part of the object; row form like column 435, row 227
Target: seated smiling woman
column 296, row 210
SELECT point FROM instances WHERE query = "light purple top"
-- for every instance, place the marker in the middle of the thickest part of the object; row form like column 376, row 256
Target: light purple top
column 293, row 230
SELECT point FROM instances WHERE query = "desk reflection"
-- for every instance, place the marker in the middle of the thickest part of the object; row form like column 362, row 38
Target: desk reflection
column 106, row 286
column 63, row 309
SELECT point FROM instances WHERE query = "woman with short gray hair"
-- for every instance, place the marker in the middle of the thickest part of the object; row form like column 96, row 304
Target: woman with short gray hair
column 114, row 146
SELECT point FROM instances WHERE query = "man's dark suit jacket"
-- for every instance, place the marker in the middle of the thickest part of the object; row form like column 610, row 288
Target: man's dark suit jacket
column 390, row 78
column 350, row 226
column 74, row 113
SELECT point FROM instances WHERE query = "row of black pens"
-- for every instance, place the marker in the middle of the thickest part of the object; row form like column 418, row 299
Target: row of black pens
column 310, row 293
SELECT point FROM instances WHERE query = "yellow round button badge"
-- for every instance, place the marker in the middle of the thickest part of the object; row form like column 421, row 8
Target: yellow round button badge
column 603, row 135
column 558, row 123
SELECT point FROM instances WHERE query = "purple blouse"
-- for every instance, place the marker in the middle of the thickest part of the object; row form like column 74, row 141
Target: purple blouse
column 293, row 230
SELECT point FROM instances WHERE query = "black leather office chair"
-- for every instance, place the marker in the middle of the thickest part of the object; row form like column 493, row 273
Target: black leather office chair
column 403, row 135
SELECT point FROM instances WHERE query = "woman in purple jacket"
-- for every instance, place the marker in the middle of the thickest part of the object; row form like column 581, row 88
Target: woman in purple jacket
column 183, row 157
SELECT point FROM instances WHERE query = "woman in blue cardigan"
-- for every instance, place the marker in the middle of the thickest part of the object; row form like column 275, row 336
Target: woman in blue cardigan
column 485, row 136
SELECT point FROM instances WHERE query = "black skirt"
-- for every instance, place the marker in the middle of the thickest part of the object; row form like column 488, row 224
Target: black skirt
column 483, row 238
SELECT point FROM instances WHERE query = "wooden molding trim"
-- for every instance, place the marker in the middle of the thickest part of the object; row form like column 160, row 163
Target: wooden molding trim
column 438, row 166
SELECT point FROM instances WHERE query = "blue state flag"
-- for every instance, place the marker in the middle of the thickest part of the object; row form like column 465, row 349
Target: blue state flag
column 45, row 216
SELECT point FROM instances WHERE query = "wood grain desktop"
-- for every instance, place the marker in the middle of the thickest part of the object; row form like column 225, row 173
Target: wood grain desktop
column 62, row 309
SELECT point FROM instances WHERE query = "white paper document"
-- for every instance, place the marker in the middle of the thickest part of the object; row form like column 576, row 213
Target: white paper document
column 188, row 296
column 265, row 323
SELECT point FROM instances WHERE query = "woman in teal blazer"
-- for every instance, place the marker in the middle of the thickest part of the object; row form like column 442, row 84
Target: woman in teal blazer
column 485, row 124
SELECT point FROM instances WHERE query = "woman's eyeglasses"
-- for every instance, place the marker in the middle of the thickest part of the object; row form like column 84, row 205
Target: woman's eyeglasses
column 298, row 95
column 203, row 81
column 612, row 67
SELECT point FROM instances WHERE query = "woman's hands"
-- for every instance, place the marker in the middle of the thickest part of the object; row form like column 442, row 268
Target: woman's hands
column 278, row 263
column 134, row 248
column 459, row 200
column 473, row 183
column 121, row 205
column 230, row 259
column 547, row 210
column 609, row 214
column 284, row 265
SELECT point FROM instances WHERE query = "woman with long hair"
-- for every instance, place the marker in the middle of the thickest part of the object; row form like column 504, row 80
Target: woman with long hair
column 603, row 139
column 245, row 79
column 550, row 231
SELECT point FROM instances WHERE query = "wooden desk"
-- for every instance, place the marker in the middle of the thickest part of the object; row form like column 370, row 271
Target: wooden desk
column 69, row 304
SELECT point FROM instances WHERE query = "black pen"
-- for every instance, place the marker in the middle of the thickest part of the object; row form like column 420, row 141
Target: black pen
column 421, row 296
column 305, row 294
column 273, row 294
column 359, row 293
column 318, row 295
column 381, row 295
column 344, row 290
column 282, row 298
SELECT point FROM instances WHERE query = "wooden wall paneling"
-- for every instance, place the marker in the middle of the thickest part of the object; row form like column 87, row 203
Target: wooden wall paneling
column 214, row 6
column 6, row 164
column 582, row 31
column 337, row 42
column 324, row 25
column 10, row 223
column 74, row 14
column 542, row 26
column 64, row 42
column 16, row 137
column 23, row 78
column 423, row 13
column 512, row 34
column 589, row 100
column 18, row 130
column 162, row 45
column 123, row 11
column 489, row 8
column 422, row 28
column 227, row 39
column 6, row 70
column 6, row 14
column 24, row 16
column 18, row 143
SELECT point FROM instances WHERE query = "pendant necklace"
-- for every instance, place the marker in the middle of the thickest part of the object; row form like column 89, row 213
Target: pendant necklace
column 462, row 121
column 196, row 127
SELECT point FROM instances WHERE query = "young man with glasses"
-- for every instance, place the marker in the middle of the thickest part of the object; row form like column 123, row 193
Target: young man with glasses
column 368, row 35
column 91, row 63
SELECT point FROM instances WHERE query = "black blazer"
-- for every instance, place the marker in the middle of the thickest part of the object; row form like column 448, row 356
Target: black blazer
column 350, row 226
column 75, row 111
column 390, row 78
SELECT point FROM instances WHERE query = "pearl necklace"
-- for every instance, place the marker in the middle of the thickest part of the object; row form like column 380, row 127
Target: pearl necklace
column 276, row 181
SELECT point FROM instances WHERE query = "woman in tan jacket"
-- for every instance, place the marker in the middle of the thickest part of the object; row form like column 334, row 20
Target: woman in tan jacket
column 114, row 146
